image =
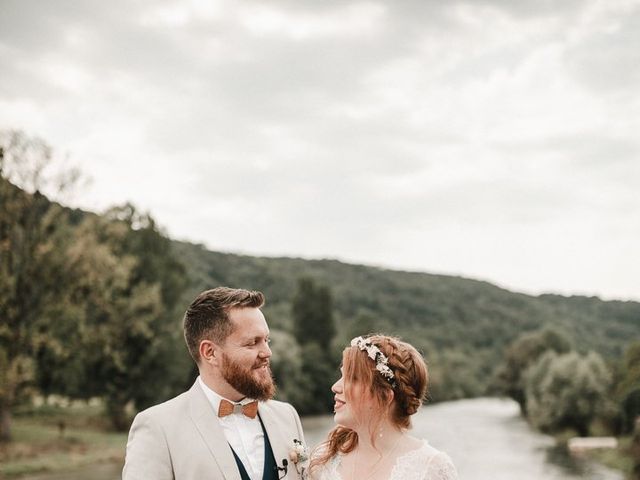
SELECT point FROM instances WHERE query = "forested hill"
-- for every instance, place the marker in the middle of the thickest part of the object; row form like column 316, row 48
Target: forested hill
column 461, row 325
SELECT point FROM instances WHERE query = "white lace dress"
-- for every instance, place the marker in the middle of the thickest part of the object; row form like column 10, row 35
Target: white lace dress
column 424, row 463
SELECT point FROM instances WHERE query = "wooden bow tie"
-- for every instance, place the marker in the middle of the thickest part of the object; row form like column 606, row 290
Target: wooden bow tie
column 227, row 408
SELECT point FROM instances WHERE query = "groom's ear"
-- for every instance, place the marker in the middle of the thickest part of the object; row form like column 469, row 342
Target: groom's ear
column 209, row 352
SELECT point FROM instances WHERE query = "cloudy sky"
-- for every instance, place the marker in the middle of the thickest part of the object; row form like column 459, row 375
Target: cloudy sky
column 492, row 139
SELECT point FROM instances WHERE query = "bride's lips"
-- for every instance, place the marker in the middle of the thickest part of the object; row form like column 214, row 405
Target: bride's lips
column 338, row 403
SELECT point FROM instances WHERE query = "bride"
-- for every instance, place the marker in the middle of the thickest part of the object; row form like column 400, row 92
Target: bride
column 383, row 383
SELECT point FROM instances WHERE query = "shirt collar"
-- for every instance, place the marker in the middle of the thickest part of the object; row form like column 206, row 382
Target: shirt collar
column 214, row 398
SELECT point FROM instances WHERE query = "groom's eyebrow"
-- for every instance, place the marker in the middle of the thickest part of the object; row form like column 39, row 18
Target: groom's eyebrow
column 256, row 338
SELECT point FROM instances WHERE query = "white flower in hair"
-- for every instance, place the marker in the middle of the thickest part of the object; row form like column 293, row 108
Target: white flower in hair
column 375, row 354
column 371, row 351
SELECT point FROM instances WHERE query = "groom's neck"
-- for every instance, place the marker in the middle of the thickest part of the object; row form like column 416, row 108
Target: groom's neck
column 220, row 386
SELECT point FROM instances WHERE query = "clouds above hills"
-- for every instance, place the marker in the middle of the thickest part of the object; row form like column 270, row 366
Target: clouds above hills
column 491, row 139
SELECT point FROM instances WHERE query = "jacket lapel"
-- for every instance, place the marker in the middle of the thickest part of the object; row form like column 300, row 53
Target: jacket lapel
column 207, row 424
column 279, row 444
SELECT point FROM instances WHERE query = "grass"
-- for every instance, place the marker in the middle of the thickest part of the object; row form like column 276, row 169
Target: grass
column 40, row 445
column 616, row 458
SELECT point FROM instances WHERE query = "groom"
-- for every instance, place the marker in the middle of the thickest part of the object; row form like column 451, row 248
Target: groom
column 226, row 426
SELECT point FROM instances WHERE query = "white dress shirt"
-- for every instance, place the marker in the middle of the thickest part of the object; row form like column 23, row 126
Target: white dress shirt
column 244, row 434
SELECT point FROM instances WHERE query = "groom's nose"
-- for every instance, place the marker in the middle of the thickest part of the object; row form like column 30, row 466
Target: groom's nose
column 265, row 352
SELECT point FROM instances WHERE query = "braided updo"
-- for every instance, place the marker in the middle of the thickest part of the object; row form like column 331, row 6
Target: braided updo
column 409, row 369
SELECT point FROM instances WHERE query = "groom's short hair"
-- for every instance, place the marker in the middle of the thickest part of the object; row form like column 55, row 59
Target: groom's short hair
column 207, row 318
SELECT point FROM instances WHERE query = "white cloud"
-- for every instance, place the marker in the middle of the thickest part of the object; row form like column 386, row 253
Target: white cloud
column 350, row 19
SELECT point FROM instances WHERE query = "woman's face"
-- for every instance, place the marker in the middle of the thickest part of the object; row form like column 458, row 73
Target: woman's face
column 353, row 405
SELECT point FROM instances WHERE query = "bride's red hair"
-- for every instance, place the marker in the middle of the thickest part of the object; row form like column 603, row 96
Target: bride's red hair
column 411, row 377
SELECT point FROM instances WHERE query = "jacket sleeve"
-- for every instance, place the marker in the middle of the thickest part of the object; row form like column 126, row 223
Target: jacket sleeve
column 147, row 454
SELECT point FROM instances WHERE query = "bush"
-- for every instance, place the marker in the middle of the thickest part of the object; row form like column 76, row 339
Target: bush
column 567, row 391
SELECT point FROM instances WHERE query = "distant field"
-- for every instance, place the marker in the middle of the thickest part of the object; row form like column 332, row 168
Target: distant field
column 41, row 445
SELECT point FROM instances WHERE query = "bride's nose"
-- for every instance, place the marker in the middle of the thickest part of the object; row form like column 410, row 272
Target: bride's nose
column 337, row 387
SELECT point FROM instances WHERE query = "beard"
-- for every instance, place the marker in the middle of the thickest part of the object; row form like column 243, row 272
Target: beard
column 249, row 381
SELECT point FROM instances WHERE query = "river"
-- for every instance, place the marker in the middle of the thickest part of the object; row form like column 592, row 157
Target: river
column 485, row 437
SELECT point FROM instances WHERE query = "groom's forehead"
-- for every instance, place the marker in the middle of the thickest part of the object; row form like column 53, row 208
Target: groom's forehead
column 254, row 325
column 245, row 316
column 248, row 331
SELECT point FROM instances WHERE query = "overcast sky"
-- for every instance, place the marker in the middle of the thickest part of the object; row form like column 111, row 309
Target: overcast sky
column 497, row 139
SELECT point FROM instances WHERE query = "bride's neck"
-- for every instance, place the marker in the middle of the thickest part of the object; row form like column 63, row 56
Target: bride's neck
column 381, row 440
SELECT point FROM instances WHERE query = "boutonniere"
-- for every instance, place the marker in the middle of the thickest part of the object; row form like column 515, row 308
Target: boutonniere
column 299, row 455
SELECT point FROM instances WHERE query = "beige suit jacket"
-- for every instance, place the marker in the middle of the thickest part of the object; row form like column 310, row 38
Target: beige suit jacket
column 182, row 439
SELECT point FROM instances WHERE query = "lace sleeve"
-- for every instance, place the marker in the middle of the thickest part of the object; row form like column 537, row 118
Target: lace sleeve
column 441, row 467
column 328, row 471
column 425, row 463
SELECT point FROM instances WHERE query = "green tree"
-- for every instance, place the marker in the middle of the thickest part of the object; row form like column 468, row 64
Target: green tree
column 320, row 372
column 132, row 283
column 33, row 273
column 312, row 309
column 314, row 330
column 286, row 365
column 522, row 353
column 567, row 391
column 634, row 451
column 628, row 388
column 362, row 324
column 120, row 337
column 452, row 376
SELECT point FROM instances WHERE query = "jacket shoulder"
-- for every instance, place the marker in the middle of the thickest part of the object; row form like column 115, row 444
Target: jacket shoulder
column 166, row 409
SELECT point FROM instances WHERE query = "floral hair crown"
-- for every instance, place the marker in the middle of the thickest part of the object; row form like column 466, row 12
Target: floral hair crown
column 374, row 353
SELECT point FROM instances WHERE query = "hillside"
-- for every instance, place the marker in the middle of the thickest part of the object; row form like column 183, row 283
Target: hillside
column 461, row 325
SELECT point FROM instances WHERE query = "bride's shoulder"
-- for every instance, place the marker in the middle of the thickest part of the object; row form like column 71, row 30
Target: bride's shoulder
column 325, row 470
column 435, row 462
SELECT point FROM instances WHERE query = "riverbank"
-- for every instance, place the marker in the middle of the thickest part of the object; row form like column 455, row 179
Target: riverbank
column 617, row 458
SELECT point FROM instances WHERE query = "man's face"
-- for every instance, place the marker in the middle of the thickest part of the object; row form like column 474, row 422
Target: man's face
column 246, row 354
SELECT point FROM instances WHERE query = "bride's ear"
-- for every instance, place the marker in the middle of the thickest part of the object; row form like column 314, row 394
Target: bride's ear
column 389, row 396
